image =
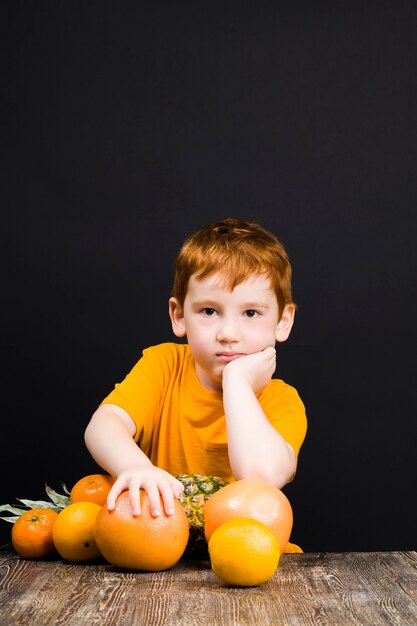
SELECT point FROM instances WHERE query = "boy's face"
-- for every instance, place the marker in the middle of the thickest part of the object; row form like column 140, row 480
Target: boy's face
column 222, row 325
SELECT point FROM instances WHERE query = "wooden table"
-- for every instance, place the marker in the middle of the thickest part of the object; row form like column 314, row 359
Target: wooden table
column 312, row 588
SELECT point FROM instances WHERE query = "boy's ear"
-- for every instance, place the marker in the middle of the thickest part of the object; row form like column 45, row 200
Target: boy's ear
column 285, row 323
column 177, row 319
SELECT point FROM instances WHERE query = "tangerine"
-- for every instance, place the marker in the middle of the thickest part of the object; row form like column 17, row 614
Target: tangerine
column 142, row 542
column 92, row 488
column 243, row 552
column 73, row 532
column 32, row 533
column 250, row 498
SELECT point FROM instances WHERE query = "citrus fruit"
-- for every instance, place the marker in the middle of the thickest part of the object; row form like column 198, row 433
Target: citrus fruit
column 243, row 552
column 92, row 488
column 32, row 533
column 142, row 542
column 251, row 498
column 73, row 532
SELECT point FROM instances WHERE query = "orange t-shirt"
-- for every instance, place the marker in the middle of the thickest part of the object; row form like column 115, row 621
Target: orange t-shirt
column 180, row 425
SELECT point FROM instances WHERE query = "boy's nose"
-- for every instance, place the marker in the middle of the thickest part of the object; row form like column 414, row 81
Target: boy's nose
column 228, row 331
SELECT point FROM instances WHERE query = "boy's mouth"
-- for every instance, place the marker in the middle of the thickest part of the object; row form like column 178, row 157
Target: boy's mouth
column 226, row 357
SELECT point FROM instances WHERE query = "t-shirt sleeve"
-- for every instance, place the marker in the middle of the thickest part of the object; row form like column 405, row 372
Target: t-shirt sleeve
column 141, row 392
column 285, row 410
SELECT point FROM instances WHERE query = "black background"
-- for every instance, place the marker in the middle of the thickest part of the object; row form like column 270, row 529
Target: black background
column 127, row 126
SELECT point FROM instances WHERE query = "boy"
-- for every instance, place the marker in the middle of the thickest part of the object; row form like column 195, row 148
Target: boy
column 210, row 406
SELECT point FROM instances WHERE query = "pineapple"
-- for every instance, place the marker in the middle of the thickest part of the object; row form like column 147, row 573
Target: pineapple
column 197, row 490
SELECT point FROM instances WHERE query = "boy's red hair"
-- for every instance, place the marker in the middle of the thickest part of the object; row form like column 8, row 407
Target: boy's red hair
column 235, row 249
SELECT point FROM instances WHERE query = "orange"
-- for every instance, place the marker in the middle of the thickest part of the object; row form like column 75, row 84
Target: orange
column 251, row 498
column 243, row 552
column 92, row 488
column 32, row 533
column 73, row 532
column 142, row 542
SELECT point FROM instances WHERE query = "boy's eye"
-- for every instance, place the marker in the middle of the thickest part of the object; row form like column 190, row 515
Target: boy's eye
column 208, row 311
column 251, row 313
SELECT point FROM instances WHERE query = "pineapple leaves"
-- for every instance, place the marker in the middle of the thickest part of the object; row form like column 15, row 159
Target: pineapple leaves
column 57, row 498
column 11, row 509
column 35, row 504
column 57, row 502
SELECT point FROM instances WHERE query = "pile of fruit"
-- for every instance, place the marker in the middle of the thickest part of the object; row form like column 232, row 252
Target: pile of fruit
column 243, row 527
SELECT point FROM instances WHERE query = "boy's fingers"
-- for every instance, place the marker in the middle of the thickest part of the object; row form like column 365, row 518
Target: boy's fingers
column 152, row 490
column 165, row 488
column 167, row 498
column 134, row 496
column 177, row 488
column 112, row 496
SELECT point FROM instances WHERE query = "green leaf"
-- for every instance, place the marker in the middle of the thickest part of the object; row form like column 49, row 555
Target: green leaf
column 57, row 502
column 64, row 487
column 59, row 499
column 10, row 519
column 11, row 509
column 36, row 504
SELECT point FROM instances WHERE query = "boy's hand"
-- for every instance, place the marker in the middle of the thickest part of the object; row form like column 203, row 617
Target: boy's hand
column 256, row 369
column 154, row 481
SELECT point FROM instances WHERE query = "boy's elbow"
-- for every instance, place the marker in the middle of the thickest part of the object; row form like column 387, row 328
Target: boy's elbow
column 277, row 477
column 283, row 479
column 277, row 474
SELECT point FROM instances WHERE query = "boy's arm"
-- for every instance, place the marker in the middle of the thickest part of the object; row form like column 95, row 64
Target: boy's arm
column 256, row 449
column 109, row 439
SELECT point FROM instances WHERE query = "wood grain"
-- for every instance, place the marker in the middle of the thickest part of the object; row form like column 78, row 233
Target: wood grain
column 307, row 589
